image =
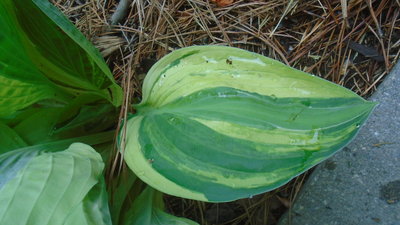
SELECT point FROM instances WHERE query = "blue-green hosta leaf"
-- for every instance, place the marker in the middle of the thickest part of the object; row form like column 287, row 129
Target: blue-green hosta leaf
column 41, row 187
column 43, row 56
column 148, row 208
column 218, row 123
column 13, row 159
column 93, row 209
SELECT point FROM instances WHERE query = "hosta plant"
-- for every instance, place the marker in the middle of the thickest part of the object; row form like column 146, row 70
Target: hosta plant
column 215, row 124
column 218, row 123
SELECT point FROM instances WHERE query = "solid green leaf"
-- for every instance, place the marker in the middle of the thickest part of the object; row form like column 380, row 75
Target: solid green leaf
column 21, row 83
column 69, row 50
column 38, row 127
column 19, row 116
column 9, row 139
column 148, row 208
column 42, row 126
column 133, row 202
column 125, row 188
column 43, row 56
column 44, row 187
column 218, row 123
column 89, row 119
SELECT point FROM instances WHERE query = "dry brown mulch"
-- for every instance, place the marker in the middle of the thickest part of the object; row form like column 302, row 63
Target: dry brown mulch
column 353, row 43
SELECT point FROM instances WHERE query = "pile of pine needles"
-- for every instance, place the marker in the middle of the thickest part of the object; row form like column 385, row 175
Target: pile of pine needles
column 353, row 43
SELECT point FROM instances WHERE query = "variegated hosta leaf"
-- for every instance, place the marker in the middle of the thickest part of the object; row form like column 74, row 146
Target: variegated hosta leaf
column 218, row 123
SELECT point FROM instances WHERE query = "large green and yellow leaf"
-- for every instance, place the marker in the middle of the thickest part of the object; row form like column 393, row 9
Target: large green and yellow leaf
column 42, row 185
column 43, row 56
column 219, row 123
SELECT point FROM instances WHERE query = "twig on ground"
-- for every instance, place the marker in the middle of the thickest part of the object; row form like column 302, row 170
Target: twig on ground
column 121, row 12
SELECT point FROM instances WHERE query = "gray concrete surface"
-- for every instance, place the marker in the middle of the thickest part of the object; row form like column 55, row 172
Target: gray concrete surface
column 361, row 183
